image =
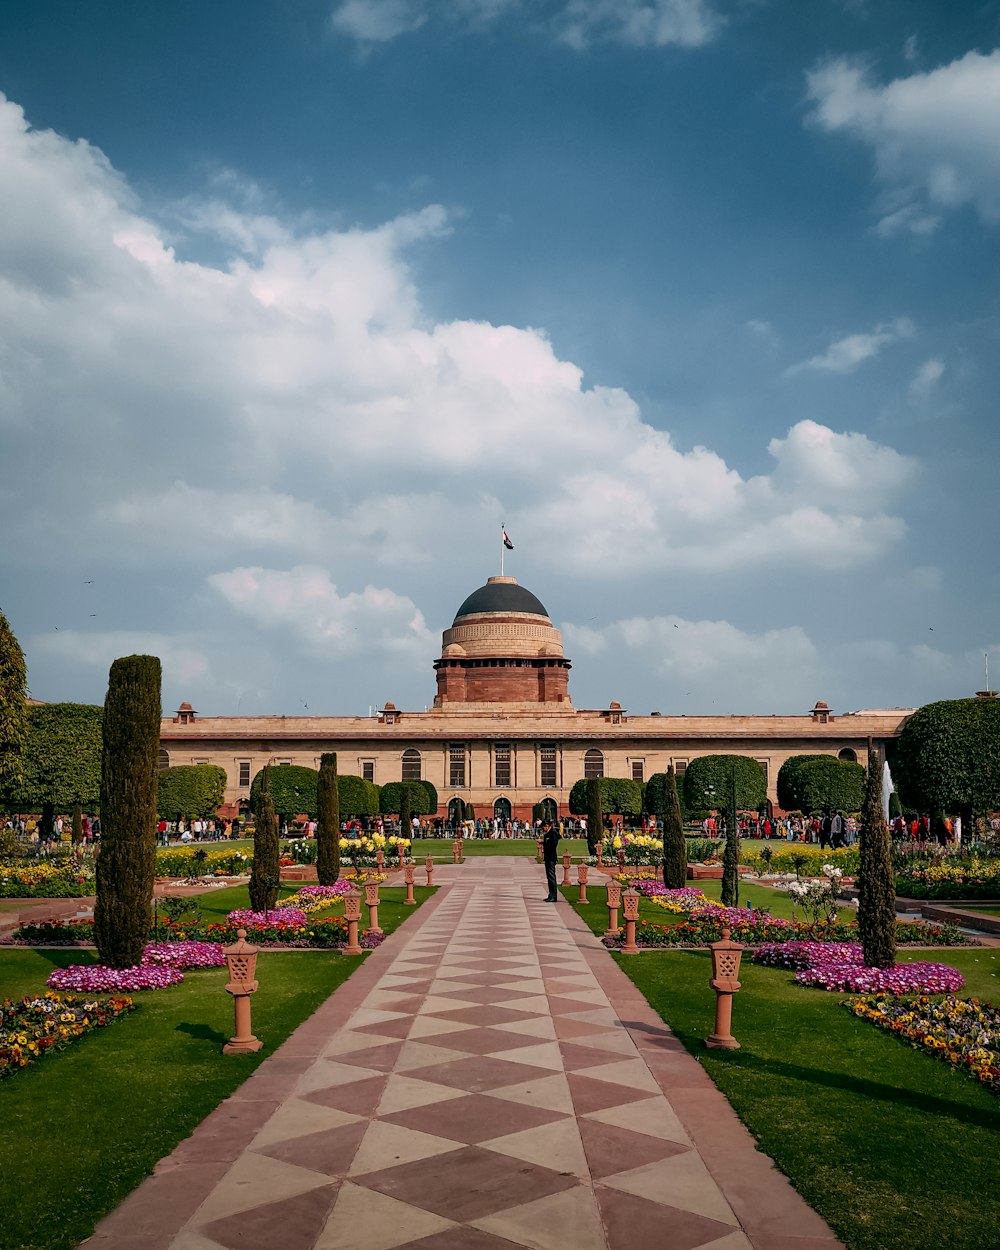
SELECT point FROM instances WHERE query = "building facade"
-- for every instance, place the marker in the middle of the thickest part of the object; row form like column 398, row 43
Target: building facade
column 503, row 734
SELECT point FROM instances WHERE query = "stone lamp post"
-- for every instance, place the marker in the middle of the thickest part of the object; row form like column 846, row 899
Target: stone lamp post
column 726, row 957
column 241, row 964
column 409, row 901
column 581, row 880
column 429, row 865
column 456, row 851
column 630, row 902
column 352, row 914
column 614, row 902
column 371, row 900
column 567, row 862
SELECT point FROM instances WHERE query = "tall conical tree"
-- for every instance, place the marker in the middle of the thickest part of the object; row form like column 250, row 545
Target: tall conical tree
column 265, row 876
column 13, row 708
column 674, row 845
column 328, row 821
column 595, row 815
column 876, row 880
column 126, row 866
column 406, row 811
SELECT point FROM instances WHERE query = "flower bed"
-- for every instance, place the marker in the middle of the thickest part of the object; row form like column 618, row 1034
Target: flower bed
column 804, row 859
column 762, row 928
column 187, row 862
column 325, row 932
column 963, row 1032
column 95, row 978
column 46, row 881
column 35, row 1027
column 840, row 966
column 638, row 848
column 964, row 878
column 244, row 918
column 183, row 955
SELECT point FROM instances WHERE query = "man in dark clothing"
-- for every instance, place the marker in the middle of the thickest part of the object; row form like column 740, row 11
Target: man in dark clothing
column 550, row 847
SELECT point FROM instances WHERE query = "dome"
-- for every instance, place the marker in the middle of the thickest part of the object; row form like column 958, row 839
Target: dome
column 501, row 595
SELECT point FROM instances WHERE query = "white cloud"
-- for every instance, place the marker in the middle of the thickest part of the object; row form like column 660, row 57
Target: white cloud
column 578, row 23
column 935, row 135
column 182, row 659
column 847, row 353
column 926, row 378
column 303, row 601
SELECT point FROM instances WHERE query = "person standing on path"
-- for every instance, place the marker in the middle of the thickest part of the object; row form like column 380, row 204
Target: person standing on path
column 550, row 847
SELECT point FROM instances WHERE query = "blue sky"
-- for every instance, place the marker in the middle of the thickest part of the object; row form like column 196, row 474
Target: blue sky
column 299, row 301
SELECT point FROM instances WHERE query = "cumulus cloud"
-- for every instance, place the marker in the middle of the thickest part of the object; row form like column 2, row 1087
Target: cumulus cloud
column 846, row 354
column 934, row 135
column 578, row 23
column 926, row 378
column 182, row 658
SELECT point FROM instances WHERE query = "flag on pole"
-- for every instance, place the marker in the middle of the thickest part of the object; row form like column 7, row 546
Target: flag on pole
column 506, row 542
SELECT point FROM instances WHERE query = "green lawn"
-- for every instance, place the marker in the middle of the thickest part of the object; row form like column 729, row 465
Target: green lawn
column 79, row 1130
column 893, row 1148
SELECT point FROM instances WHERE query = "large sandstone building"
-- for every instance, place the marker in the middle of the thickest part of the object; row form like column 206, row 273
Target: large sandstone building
column 502, row 733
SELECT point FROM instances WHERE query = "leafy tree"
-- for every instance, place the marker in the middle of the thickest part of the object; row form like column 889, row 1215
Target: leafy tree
column 895, row 809
column 876, row 881
column 62, row 761
column 13, row 708
column 190, row 790
column 595, row 813
column 328, row 821
column 620, row 796
column 357, row 796
column 265, row 875
column 292, row 788
column 432, row 798
column 948, row 758
column 816, row 783
column 674, row 845
column 127, row 863
column 657, row 797
column 391, row 798
column 708, row 783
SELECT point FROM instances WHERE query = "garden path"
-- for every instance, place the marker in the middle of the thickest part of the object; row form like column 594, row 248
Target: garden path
column 488, row 1080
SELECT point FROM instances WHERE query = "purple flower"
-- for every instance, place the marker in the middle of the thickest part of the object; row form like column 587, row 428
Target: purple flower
column 97, row 979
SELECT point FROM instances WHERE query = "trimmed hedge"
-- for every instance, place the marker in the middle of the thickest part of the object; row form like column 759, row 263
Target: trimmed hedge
column 189, row 790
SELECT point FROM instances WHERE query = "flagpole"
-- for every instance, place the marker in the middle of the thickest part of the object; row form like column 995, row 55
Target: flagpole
column 501, row 550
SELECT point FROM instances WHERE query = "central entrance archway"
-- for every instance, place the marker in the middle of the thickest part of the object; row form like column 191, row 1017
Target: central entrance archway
column 502, row 810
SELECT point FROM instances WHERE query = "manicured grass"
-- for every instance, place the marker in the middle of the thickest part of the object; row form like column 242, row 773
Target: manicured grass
column 79, row 1130
column 893, row 1148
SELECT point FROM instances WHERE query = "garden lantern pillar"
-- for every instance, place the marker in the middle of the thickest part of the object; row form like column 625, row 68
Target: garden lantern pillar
column 352, row 914
column 726, row 957
column 429, row 865
column 621, row 861
column 371, row 899
column 409, row 901
column 600, row 855
column 456, row 851
column 567, row 864
column 630, row 903
column 581, row 880
column 540, row 853
column 379, row 860
column 241, row 964
column 614, row 902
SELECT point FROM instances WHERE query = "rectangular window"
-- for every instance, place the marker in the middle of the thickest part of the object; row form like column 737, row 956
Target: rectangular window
column 244, row 773
column 765, row 765
column 501, row 765
column 283, row 763
column 680, row 766
column 456, row 765
column 637, row 766
column 547, row 762
column 368, row 770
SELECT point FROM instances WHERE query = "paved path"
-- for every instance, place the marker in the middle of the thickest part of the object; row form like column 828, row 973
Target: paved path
column 478, row 1085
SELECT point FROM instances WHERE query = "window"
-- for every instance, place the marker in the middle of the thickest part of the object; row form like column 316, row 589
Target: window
column 766, row 765
column 637, row 766
column 368, row 770
column 680, row 766
column 593, row 764
column 411, row 765
column 501, row 765
column 244, row 773
column 283, row 763
column 456, row 764
column 547, row 762
column 848, row 756
column 163, row 761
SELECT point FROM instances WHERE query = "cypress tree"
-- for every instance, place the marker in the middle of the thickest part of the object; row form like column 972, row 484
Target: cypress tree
column 406, row 810
column 595, row 815
column 126, row 866
column 13, row 707
column 876, row 880
column 77, row 824
column 328, row 821
column 730, row 862
column 674, row 845
column 265, row 876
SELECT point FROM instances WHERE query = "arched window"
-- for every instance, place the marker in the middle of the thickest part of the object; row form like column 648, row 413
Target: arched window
column 163, row 761
column 593, row 764
column 848, row 756
column 411, row 765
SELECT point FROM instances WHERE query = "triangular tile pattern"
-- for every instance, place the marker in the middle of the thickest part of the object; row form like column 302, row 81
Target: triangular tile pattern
column 483, row 1095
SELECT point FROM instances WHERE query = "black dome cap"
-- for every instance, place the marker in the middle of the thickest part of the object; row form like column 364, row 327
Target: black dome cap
column 501, row 597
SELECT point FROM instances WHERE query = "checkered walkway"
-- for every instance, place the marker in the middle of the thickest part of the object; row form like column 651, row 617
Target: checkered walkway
column 483, row 1094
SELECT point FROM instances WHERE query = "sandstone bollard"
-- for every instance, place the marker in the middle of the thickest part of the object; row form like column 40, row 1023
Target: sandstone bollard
column 614, row 902
column 371, row 899
column 726, row 957
column 379, row 860
column 456, row 851
column 621, row 861
column 241, row 964
column 352, row 913
column 409, row 901
column 600, row 855
column 581, row 880
column 429, row 865
column 540, row 853
column 630, row 901
column 567, row 861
